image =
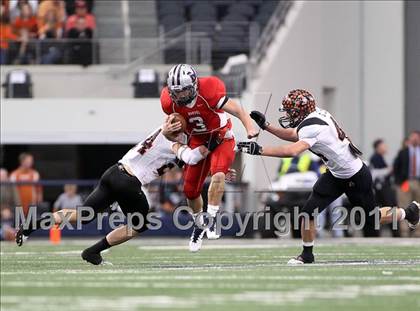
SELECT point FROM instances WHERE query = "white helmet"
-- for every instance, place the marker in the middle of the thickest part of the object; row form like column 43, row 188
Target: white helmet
column 182, row 84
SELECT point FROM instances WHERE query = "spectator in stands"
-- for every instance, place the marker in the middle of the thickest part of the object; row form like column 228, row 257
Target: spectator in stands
column 51, row 29
column 68, row 199
column 4, row 7
column 29, row 194
column 71, row 6
column 6, row 35
column 7, row 232
column 26, row 22
column 81, row 49
column 377, row 159
column 15, row 7
column 58, row 9
column 25, row 26
column 9, row 199
column 381, row 175
column 407, row 171
column 9, row 196
column 81, row 12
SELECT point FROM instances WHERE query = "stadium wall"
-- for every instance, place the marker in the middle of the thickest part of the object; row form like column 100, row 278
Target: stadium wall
column 350, row 55
column 100, row 81
column 81, row 120
column 412, row 65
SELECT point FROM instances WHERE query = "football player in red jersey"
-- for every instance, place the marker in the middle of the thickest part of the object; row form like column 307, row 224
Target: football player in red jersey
column 203, row 103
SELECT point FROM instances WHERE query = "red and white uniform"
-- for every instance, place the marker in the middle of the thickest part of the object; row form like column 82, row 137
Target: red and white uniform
column 205, row 117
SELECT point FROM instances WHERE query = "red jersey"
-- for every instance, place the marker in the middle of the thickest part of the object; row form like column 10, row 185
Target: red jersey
column 29, row 194
column 30, row 25
column 205, row 114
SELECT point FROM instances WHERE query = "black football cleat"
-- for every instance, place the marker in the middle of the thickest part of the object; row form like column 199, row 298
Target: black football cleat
column 412, row 215
column 300, row 260
column 20, row 238
column 91, row 257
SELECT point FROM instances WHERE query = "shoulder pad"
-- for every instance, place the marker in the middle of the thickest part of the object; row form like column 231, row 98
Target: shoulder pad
column 311, row 121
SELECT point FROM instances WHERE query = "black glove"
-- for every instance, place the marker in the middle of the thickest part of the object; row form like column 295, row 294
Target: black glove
column 214, row 142
column 259, row 118
column 250, row 147
column 216, row 139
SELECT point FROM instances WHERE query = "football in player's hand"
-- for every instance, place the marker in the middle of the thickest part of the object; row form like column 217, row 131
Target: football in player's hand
column 176, row 117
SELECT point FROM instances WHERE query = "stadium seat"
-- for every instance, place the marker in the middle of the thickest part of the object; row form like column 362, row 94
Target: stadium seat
column 175, row 8
column 146, row 83
column 18, row 84
column 227, row 21
column 244, row 9
column 202, row 9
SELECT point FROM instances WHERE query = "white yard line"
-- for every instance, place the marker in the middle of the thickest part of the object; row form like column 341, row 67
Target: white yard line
column 238, row 241
column 99, row 281
column 121, row 303
column 201, row 268
column 212, row 246
column 269, row 298
column 32, row 253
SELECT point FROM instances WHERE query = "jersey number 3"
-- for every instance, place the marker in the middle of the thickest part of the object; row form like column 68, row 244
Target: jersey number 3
column 199, row 125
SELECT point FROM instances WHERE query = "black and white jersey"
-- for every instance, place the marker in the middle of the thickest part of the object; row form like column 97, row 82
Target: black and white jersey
column 152, row 157
column 327, row 140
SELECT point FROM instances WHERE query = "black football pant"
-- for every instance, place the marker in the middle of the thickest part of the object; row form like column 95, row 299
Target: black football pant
column 116, row 185
column 357, row 188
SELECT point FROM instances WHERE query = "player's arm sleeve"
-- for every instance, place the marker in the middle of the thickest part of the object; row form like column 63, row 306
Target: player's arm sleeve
column 188, row 155
column 165, row 101
column 219, row 98
column 309, row 134
column 192, row 156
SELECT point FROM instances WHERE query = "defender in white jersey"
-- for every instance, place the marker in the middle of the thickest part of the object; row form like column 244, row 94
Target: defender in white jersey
column 157, row 154
column 309, row 127
column 123, row 183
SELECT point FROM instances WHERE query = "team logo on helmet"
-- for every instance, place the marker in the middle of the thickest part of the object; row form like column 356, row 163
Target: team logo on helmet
column 182, row 84
column 296, row 106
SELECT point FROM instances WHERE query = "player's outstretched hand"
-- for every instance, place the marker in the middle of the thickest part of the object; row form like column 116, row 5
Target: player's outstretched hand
column 250, row 147
column 259, row 118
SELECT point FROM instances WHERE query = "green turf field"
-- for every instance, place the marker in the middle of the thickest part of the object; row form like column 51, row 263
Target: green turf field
column 244, row 275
